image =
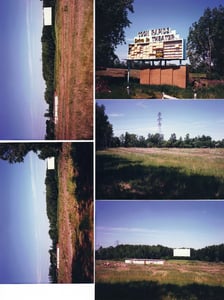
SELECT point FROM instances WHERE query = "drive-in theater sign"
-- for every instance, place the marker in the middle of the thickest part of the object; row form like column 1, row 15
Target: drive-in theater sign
column 157, row 44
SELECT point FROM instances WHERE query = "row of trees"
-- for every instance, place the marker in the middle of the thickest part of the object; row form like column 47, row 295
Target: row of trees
column 16, row 152
column 105, row 137
column 157, row 140
column 48, row 63
column 51, row 183
column 213, row 253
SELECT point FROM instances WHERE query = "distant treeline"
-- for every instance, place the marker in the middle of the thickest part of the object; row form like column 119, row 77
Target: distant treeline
column 47, row 3
column 105, row 137
column 213, row 253
column 157, row 140
column 48, row 62
column 51, row 183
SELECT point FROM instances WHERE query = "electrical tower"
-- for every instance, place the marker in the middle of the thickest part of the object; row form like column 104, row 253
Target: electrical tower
column 159, row 120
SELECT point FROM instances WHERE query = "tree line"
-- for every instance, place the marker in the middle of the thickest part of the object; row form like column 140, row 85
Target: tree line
column 214, row 253
column 16, row 152
column 157, row 140
column 51, row 183
column 48, row 65
column 105, row 137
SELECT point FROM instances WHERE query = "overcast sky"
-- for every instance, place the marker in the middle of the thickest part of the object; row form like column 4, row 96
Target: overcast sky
column 196, row 117
column 24, row 225
column 176, row 14
column 21, row 83
column 190, row 224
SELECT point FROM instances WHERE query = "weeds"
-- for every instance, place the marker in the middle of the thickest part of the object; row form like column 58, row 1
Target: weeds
column 158, row 176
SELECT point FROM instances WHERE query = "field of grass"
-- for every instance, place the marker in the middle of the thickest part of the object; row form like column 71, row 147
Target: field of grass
column 74, row 69
column 174, row 280
column 75, row 223
column 160, row 173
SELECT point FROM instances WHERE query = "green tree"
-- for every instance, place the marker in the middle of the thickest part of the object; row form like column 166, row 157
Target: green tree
column 104, row 130
column 111, row 19
column 15, row 152
column 206, row 42
column 131, row 140
column 172, row 142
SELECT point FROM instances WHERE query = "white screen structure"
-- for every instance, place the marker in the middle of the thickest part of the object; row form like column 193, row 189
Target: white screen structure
column 182, row 252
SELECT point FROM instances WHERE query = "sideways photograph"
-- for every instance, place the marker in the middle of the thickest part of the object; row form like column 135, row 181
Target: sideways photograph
column 46, row 220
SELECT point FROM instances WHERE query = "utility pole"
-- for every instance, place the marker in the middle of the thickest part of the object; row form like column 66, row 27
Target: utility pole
column 159, row 120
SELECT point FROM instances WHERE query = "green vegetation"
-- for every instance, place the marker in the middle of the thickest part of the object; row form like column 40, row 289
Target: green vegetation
column 111, row 20
column 213, row 253
column 51, row 183
column 105, row 137
column 177, row 279
column 116, row 88
column 152, row 173
column 173, row 280
column 206, row 43
column 82, row 156
column 48, row 57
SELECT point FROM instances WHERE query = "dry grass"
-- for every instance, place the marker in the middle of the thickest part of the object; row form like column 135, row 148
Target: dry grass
column 74, row 69
column 172, row 272
column 68, row 217
column 75, row 223
column 160, row 173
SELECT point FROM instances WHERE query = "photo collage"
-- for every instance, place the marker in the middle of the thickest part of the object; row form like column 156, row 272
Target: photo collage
column 112, row 149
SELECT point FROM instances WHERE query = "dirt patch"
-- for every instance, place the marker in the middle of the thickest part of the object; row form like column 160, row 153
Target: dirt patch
column 74, row 69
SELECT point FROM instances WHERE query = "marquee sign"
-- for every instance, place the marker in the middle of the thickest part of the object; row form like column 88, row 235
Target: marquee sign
column 157, row 44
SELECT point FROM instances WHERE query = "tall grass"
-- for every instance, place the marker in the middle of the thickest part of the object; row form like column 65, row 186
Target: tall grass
column 122, row 175
column 176, row 280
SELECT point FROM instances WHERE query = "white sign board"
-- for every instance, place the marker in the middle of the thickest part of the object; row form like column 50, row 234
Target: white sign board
column 47, row 16
column 51, row 163
column 156, row 44
column 182, row 252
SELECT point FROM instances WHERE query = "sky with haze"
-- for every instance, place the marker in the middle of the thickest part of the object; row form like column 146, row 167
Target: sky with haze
column 176, row 14
column 22, row 85
column 196, row 117
column 24, row 225
column 175, row 224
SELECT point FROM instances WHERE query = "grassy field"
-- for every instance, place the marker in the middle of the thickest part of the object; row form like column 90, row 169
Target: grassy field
column 160, row 173
column 74, row 69
column 75, row 240
column 176, row 279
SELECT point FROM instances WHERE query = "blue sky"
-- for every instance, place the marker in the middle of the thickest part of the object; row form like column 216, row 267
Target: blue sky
column 179, row 15
column 21, row 83
column 24, row 225
column 193, row 224
column 196, row 117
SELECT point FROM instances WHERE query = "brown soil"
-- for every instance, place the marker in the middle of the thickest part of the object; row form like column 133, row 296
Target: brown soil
column 74, row 69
